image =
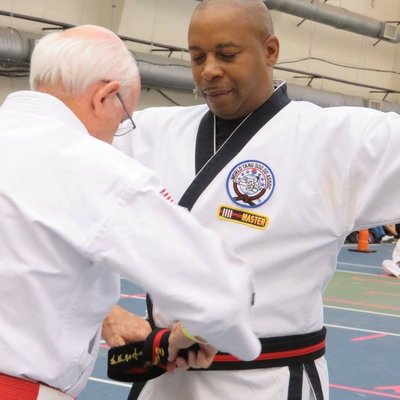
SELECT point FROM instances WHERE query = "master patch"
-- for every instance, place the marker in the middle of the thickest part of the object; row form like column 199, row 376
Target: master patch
column 257, row 221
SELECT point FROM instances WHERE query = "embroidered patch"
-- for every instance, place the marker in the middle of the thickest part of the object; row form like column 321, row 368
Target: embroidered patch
column 257, row 221
column 250, row 183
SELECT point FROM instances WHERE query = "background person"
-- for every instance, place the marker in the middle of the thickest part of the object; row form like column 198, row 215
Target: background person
column 380, row 236
column 76, row 213
column 392, row 266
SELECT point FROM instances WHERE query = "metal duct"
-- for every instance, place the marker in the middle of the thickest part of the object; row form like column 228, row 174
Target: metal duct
column 161, row 72
column 325, row 99
column 181, row 79
column 156, row 72
column 337, row 17
column 168, row 73
column 13, row 47
column 332, row 99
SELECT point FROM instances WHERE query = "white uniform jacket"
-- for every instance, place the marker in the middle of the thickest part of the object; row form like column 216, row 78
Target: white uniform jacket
column 285, row 203
column 75, row 213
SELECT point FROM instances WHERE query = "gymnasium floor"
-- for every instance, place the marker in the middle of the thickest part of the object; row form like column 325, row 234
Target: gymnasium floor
column 362, row 315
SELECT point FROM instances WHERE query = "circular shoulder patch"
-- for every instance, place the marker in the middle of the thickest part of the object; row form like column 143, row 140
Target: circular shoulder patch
column 250, row 183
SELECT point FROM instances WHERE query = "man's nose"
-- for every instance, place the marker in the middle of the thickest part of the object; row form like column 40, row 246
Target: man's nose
column 212, row 68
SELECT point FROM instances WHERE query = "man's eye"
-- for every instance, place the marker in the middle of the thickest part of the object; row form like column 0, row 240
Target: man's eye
column 228, row 56
column 197, row 59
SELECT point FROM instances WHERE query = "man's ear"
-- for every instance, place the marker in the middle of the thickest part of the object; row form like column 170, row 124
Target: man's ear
column 271, row 49
column 103, row 94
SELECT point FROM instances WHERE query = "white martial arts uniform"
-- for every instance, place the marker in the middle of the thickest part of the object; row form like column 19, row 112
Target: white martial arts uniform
column 75, row 213
column 311, row 176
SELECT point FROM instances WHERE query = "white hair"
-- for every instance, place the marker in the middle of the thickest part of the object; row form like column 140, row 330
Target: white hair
column 77, row 63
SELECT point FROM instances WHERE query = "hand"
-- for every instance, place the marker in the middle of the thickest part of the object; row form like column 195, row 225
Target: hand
column 121, row 327
column 196, row 359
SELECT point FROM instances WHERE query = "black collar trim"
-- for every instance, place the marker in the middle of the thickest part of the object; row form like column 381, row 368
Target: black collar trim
column 208, row 164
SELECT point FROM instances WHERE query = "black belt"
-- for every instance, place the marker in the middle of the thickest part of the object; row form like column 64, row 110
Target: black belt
column 146, row 360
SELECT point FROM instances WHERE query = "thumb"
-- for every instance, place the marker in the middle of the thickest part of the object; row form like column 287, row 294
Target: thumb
column 172, row 352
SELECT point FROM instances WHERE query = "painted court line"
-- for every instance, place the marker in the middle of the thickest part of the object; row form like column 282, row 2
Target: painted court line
column 358, row 265
column 361, row 303
column 108, row 382
column 369, row 337
column 362, row 311
column 350, row 328
column 383, row 293
column 355, row 272
column 389, row 281
column 140, row 296
column 365, row 391
column 396, row 389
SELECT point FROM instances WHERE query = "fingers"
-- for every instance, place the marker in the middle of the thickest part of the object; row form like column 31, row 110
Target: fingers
column 202, row 358
column 209, row 350
column 196, row 359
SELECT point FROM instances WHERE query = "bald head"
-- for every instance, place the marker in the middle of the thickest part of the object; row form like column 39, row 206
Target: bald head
column 91, row 32
column 79, row 57
column 255, row 12
column 92, row 72
column 233, row 51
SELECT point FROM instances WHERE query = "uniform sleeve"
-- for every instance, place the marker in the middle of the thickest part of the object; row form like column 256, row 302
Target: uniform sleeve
column 188, row 270
column 374, row 197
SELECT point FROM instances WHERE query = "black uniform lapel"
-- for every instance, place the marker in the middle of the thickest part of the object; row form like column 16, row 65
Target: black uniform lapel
column 204, row 141
column 208, row 164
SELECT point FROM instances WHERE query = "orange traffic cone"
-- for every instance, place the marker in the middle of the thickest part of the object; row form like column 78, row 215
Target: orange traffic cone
column 363, row 243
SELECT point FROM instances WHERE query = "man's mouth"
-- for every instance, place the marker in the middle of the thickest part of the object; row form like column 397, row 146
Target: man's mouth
column 215, row 92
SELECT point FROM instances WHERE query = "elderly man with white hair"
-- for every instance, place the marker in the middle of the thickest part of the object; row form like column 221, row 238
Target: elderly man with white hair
column 76, row 214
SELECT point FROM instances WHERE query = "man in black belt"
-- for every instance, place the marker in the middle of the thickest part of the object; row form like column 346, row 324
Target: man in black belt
column 283, row 182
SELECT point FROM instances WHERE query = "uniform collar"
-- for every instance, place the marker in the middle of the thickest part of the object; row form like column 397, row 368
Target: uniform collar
column 43, row 104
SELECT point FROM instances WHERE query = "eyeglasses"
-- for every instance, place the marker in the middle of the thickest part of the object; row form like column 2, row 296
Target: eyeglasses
column 123, row 130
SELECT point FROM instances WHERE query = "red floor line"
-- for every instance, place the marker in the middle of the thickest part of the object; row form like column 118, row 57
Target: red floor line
column 383, row 293
column 359, row 390
column 359, row 339
column 133, row 296
column 360, row 303
column 388, row 281
column 396, row 389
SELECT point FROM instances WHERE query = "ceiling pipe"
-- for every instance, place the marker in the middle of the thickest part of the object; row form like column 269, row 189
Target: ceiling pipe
column 337, row 17
column 167, row 73
column 332, row 99
column 179, row 77
column 162, row 72
column 314, row 75
column 63, row 25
